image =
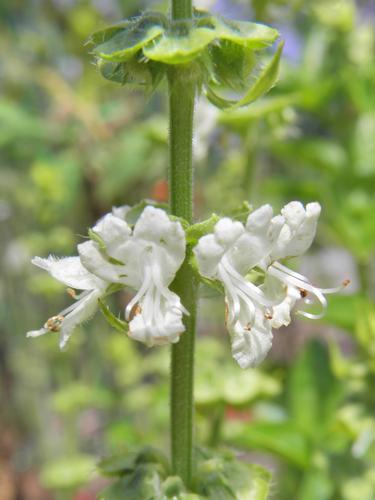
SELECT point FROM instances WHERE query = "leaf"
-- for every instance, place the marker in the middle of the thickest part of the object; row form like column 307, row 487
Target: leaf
column 313, row 391
column 67, row 473
column 229, row 385
column 343, row 310
column 280, row 438
column 240, row 118
column 263, row 83
column 316, row 485
column 144, row 482
column 127, row 461
column 221, row 477
column 75, row 397
column 120, row 45
column 115, row 322
column 117, row 465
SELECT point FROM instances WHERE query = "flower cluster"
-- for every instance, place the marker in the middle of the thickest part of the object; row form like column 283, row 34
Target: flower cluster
column 234, row 249
column 145, row 257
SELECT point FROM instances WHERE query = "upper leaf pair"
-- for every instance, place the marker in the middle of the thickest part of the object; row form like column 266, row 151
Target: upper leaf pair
column 222, row 53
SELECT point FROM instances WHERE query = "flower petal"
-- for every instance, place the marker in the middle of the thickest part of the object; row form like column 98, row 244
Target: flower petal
column 83, row 310
column 299, row 230
column 93, row 260
column 208, row 254
column 251, row 345
column 68, row 270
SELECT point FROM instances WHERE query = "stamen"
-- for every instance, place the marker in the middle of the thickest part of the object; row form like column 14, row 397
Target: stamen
column 54, row 324
column 305, row 281
column 251, row 290
column 136, row 309
column 295, row 282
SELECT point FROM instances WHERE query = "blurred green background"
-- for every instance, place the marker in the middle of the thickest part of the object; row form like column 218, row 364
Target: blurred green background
column 73, row 145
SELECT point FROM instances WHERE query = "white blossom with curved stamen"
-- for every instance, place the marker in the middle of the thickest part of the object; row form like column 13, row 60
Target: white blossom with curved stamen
column 145, row 259
column 295, row 237
column 70, row 271
column 228, row 255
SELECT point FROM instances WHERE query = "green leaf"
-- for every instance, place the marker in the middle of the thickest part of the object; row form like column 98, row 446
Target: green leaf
column 142, row 483
column 316, row 485
column 280, row 438
column 115, row 322
column 67, row 473
column 127, row 461
column 313, row 391
column 120, row 45
column 117, row 465
column 221, row 477
column 229, row 385
column 241, row 118
column 263, row 83
column 151, row 455
column 75, row 397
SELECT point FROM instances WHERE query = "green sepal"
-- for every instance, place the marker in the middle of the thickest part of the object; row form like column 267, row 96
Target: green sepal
column 113, row 288
column 96, row 238
column 232, row 64
column 102, row 247
column 133, row 72
column 264, row 82
column 115, row 322
column 181, row 44
column 105, row 34
column 135, row 211
column 253, row 36
column 122, row 44
column 184, row 223
column 196, row 231
column 242, row 212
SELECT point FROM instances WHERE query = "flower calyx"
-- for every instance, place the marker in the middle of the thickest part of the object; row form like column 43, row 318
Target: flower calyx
column 221, row 54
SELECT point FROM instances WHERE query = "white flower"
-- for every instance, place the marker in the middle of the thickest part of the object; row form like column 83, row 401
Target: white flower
column 295, row 237
column 70, row 271
column 228, row 255
column 233, row 250
column 145, row 259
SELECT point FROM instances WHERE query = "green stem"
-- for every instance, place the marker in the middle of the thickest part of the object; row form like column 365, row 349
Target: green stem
column 217, row 419
column 181, row 109
column 182, row 9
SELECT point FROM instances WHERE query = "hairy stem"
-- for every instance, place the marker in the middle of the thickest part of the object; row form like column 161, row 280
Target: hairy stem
column 182, row 9
column 181, row 109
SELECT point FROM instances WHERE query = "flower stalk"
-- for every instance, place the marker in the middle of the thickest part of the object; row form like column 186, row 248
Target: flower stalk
column 182, row 87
